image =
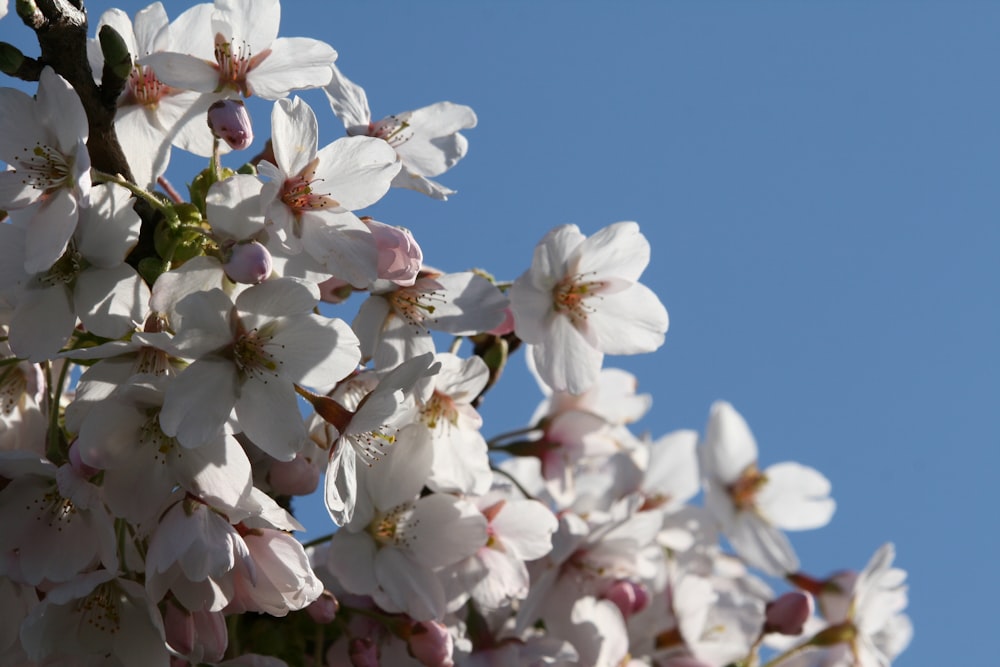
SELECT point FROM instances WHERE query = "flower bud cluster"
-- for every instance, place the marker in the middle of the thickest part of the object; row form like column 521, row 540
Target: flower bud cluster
column 169, row 384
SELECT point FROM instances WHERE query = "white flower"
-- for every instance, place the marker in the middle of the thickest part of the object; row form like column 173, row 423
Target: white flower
column 248, row 357
column 752, row 506
column 311, row 193
column 90, row 280
column 44, row 140
column 235, row 48
column 580, row 300
column 427, row 140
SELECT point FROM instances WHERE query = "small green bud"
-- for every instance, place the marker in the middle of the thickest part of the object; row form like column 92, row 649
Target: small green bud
column 116, row 55
column 11, row 59
column 150, row 268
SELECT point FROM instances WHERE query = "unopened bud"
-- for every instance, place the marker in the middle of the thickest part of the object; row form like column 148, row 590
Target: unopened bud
column 334, row 290
column 229, row 121
column 298, row 477
column 11, row 58
column 399, row 256
column 78, row 464
column 430, row 644
column 249, row 263
column 630, row 597
column 115, row 51
column 324, row 608
column 363, row 653
column 788, row 614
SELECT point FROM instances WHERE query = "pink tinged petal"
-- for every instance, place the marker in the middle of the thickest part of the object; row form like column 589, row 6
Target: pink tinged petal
column 255, row 23
column 410, row 584
column 356, row 171
column 525, row 528
column 348, row 100
column 59, row 108
column 532, row 310
column 618, row 250
column 108, row 436
column 795, row 497
column 269, row 414
column 729, row 446
column 110, row 302
column 199, row 400
column 631, row 322
column 762, row 546
column 294, row 63
column 109, row 227
column 446, row 529
column 42, row 323
column 49, row 231
column 565, row 361
column 234, row 207
column 406, row 178
column 180, row 70
column 294, row 135
column 351, row 559
column 507, row 578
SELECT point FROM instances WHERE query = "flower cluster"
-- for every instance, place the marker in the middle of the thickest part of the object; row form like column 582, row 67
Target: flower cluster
column 174, row 371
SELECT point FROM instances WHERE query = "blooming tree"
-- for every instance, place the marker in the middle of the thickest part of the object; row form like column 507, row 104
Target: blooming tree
column 175, row 369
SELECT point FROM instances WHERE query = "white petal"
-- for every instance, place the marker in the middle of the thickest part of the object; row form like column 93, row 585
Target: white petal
column 109, row 227
column 410, row 584
column 525, row 528
column 565, row 361
column 43, row 322
column 294, row 63
column 199, row 400
column 357, row 171
column 110, row 302
column 630, row 322
column 269, row 415
column 294, row 134
column 618, row 250
column 729, row 446
column 762, row 545
column 795, row 497
column 348, row 100
column 446, row 529
column 49, row 231
column 351, row 559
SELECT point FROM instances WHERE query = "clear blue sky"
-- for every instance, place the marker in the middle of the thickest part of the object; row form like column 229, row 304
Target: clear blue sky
column 819, row 182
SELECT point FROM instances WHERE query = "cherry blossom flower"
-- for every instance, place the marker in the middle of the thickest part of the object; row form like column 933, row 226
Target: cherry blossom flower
column 235, row 49
column 580, row 300
column 248, row 356
column 752, row 506
column 44, row 140
column 427, row 140
column 310, row 193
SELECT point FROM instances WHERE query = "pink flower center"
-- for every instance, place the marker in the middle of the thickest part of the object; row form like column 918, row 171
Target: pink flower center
column 144, row 89
column 743, row 491
column 234, row 62
column 44, row 168
column 439, row 407
column 570, row 296
column 297, row 192
column 392, row 129
column 415, row 305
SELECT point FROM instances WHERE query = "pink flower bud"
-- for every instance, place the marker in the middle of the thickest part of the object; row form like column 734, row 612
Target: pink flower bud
column 78, row 465
column 628, row 596
column 229, row 121
column 248, row 263
column 363, row 653
column 334, row 290
column 430, row 644
column 788, row 613
column 506, row 326
column 200, row 636
column 324, row 608
column 399, row 256
column 298, row 477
